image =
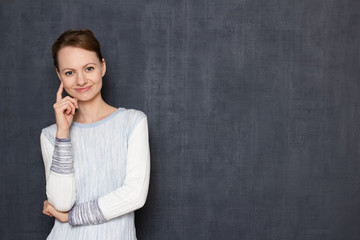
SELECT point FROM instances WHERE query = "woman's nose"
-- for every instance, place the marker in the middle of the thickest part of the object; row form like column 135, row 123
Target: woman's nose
column 81, row 79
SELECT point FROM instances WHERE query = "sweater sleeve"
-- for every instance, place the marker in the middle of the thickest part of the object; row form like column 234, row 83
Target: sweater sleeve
column 59, row 172
column 131, row 195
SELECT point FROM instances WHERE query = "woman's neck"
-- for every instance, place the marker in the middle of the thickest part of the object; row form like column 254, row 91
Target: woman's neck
column 93, row 110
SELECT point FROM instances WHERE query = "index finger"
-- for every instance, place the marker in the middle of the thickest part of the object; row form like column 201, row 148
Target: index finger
column 59, row 92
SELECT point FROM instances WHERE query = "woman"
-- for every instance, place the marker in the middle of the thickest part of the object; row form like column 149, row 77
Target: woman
column 96, row 157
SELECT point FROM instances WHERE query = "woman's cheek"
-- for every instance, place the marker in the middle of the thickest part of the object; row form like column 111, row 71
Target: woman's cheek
column 67, row 84
column 67, row 88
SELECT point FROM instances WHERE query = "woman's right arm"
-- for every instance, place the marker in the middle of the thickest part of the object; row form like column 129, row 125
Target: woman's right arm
column 59, row 172
column 58, row 161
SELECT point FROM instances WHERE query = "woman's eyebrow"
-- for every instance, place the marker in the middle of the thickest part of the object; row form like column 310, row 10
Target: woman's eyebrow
column 71, row 69
column 67, row 69
column 89, row 63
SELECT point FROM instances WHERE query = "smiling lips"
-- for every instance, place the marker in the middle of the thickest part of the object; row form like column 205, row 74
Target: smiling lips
column 83, row 89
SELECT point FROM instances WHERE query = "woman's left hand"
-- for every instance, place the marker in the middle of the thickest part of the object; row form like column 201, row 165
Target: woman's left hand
column 52, row 212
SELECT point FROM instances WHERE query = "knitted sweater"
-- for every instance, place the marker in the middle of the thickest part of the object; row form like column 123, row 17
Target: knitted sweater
column 100, row 173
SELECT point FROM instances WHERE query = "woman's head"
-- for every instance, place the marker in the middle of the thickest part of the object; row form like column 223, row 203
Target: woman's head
column 83, row 38
column 79, row 64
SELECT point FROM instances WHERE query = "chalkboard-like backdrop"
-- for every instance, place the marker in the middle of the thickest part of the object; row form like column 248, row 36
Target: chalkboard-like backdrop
column 253, row 107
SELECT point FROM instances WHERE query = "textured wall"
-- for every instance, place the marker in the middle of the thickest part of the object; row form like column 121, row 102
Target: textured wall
column 253, row 110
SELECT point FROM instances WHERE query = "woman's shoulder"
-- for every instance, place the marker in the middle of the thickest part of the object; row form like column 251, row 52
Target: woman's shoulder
column 132, row 114
column 131, row 118
column 50, row 132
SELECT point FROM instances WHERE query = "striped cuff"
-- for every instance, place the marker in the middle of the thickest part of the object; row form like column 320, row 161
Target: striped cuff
column 86, row 214
column 62, row 161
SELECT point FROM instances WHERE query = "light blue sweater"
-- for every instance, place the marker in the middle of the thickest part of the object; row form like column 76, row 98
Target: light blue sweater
column 100, row 174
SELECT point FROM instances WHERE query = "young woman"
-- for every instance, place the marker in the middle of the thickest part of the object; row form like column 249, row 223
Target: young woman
column 96, row 157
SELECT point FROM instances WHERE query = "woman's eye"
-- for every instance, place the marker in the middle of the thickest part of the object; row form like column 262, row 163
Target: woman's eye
column 88, row 69
column 68, row 73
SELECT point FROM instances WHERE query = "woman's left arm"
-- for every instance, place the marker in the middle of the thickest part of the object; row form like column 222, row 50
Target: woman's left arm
column 129, row 197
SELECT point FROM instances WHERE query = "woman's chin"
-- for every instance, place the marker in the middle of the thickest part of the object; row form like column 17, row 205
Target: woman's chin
column 85, row 97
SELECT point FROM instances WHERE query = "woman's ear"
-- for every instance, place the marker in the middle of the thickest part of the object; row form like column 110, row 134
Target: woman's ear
column 103, row 67
column 57, row 72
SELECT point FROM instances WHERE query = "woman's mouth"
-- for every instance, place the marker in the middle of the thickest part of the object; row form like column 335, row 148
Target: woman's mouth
column 85, row 89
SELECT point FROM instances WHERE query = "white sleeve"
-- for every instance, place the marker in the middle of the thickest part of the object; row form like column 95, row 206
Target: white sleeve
column 60, row 186
column 132, row 195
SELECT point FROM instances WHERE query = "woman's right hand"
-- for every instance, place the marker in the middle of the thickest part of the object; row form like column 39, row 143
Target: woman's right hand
column 64, row 112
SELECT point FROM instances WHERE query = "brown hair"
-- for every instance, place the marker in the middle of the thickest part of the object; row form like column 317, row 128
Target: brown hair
column 82, row 38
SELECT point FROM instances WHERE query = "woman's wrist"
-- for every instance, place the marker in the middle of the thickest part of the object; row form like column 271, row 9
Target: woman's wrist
column 62, row 134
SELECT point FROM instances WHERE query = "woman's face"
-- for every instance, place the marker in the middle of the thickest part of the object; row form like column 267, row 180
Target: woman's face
column 81, row 71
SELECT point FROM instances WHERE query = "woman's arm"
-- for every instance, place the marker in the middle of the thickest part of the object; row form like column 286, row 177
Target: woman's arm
column 59, row 172
column 49, row 210
column 129, row 197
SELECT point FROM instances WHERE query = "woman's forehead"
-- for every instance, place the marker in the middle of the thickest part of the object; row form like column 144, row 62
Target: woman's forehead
column 72, row 57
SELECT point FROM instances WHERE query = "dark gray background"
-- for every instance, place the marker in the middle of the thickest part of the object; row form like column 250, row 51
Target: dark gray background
column 253, row 110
